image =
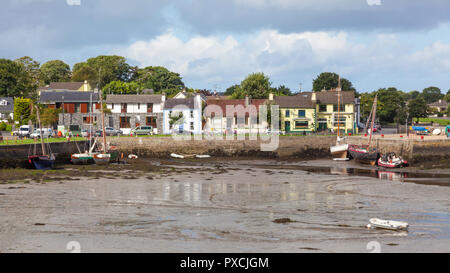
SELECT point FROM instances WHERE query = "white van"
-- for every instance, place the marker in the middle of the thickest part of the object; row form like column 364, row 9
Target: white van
column 46, row 132
column 24, row 130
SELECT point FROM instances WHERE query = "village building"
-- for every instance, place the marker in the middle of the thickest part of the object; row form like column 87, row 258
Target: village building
column 439, row 106
column 6, row 108
column 297, row 113
column 66, row 86
column 234, row 115
column 131, row 111
column 191, row 111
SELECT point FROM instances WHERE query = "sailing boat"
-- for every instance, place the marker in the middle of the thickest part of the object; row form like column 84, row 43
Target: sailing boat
column 103, row 157
column 86, row 157
column 44, row 161
column 363, row 153
column 339, row 151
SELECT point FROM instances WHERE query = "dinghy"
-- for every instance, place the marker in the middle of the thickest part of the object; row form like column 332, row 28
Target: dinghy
column 391, row 160
column 387, row 224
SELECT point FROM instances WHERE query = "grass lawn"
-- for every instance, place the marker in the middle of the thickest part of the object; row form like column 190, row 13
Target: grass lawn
column 442, row 122
column 31, row 141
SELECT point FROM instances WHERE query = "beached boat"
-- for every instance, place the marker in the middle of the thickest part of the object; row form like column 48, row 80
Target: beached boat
column 43, row 161
column 102, row 159
column 364, row 153
column 339, row 151
column 388, row 224
column 88, row 156
column 391, row 160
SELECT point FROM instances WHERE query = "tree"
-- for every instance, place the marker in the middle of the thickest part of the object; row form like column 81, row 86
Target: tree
column 281, row 91
column 432, row 94
column 83, row 72
column 49, row 116
column 55, row 71
column 447, row 97
column 32, row 67
column 412, row 95
column 160, row 79
column 22, row 110
column 418, row 108
column 119, row 87
column 230, row 90
column 366, row 102
column 329, row 80
column 390, row 101
column 14, row 80
column 256, row 85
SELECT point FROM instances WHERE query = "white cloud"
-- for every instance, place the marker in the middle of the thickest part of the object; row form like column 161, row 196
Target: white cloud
column 288, row 57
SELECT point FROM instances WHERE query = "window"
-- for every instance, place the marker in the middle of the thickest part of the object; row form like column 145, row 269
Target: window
column 301, row 125
column 301, row 113
column 322, row 108
column 139, row 106
column 335, row 108
column 77, row 108
column 192, row 114
column 125, row 122
column 192, row 126
column 341, row 123
column 86, row 120
column 288, row 113
column 149, row 107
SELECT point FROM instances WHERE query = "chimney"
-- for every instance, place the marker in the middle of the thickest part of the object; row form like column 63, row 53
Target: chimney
column 198, row 101
column 440, row 101
column 85, row 86
column 271, row 96
column 247, row 101
column 313, row 96
column 339, row 84
column 163, row 98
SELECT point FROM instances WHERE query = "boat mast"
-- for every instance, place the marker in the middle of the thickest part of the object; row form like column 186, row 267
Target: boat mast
column 40, row 130
column 339, row 107
column 90, row 120
column 103, row 122
column 373, row 118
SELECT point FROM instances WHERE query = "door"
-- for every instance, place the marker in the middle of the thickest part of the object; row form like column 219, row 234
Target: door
column 287, row 126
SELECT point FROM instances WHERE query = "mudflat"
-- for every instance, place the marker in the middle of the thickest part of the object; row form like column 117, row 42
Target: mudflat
column 223, row 205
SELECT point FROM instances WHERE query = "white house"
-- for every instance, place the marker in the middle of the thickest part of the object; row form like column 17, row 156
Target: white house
column 191, row 109
column 131, row 111
column 6, row 108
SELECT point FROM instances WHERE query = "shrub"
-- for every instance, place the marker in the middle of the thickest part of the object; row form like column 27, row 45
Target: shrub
column 2, row 126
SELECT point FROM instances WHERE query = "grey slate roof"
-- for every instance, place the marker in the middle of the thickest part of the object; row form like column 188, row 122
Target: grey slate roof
column 171, row 103
column 9, row 107
column 69, row 96
column 301, row 100
column 134, row 98
column 439, row 103
column 63, row 86
column 331, row 97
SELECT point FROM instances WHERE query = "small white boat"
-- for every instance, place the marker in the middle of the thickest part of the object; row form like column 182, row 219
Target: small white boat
column 202, row 156
column 133, row 157
column 387, row 224
column 176, row 156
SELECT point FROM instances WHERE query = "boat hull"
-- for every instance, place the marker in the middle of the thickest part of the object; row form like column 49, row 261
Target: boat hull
column 384, row 164
column 42, row 162
column 363, row 156
column 339, row 151
column 102, row 159
column 82, row 159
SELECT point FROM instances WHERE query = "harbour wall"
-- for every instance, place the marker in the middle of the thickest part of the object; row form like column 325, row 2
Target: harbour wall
column 301, row 147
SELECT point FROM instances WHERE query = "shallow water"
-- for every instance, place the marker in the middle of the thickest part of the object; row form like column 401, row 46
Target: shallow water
column 227, row 206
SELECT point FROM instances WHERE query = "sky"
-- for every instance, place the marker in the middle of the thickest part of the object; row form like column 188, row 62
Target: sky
column 214, row 44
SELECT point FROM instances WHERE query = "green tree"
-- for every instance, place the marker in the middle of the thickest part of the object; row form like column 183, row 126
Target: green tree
column 432, row 94
column 390, row 101
column 160, row 79
column 281, row 91
column 32, row 67
column 418, row 108
column 447, row 97
column 412, row 95
column 55, row 71
column 49, row 116
column 366, row 102
column 256, row 85
column 22, row 110
column 108, row 69
column 14, row 80
column 83, row 72
column 120, row 87
column 230, row 90
column 329, row 80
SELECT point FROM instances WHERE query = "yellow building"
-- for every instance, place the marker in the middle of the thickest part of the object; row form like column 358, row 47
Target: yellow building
column 297, row 113
column 317, row 111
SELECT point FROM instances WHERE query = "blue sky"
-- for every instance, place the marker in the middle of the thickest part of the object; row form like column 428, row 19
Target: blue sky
column 214, row 44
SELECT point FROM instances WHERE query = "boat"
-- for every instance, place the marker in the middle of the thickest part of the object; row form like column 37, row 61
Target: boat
column 339, row 151
column 103, row 157
column 391, row 160
column 88, row 156
column 44, row 161
column 364, row 153
column 387, row 224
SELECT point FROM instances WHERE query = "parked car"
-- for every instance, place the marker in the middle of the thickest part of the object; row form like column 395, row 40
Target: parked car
column 98, row 133
column 112, row 132
column 46, row 132
column 84, row 133
column 142, row 130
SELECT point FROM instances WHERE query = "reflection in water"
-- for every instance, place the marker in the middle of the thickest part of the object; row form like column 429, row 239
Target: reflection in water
column 393, row 176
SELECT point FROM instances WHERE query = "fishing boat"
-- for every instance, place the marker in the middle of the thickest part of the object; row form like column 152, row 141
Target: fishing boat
column 102, row 158
column 44, row 161
column 391, row 160
column 364, row 153
column 339, row 151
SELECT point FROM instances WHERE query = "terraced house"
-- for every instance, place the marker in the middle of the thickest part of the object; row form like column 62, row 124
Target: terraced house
column 309, row 112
